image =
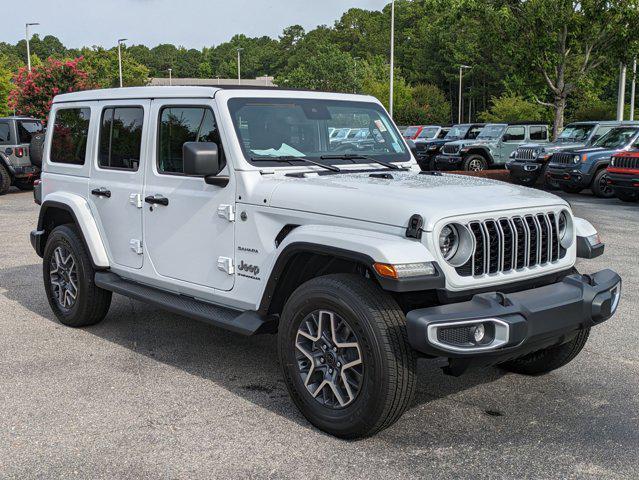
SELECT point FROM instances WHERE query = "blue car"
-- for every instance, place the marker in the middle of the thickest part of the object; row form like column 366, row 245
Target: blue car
column 577, row 169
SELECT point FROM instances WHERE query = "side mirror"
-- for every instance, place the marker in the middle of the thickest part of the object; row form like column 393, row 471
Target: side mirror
column 505, row 138
column 201, row 159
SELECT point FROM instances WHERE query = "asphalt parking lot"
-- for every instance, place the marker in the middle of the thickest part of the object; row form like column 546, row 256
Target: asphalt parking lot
column 148, row 394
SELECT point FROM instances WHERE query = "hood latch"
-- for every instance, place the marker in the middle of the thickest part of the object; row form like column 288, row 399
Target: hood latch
column 415, row 225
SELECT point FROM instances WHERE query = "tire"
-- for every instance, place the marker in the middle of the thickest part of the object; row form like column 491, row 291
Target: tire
column 599, row 185
column 548, row 359
column 24, row 186
column 5, row 180
column 475, row 163
column 384, row 382
column 65, row 248
column 571, row 188
column 626, row 196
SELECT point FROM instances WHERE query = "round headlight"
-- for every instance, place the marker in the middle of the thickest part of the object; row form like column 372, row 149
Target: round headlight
column 448, row 241
column 576, row 159
column 563, row 225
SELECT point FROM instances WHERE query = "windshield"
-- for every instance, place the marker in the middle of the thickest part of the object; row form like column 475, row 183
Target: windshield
column 410, row 132
column 576, row 133
column 457, row 132
column 492, row 131
column 616, row 138
column 283, row 127
column 428, row 132
column 27, row 128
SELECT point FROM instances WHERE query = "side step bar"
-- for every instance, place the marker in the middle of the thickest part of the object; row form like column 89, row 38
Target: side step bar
column 245, row 323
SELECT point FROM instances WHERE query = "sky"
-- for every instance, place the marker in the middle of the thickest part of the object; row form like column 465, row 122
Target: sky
column 190, row 23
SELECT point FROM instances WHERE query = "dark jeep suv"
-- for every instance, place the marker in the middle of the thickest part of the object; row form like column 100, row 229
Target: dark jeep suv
column 16, row 167
column 426, row 151
column 576, row 169
column 528, row 163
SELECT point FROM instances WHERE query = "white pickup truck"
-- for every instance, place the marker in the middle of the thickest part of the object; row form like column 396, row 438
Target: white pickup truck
column 231, row 206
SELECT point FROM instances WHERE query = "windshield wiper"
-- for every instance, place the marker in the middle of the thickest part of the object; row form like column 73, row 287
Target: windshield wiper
column 356, row 156
column 289, row 158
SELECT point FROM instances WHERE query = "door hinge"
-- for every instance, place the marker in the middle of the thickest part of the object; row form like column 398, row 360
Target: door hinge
column 226, row 211
column 226, row 265
column 136, row 199
column 136, row 246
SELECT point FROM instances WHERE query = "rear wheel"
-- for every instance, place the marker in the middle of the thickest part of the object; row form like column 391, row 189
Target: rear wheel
column 5, row 180
column 548, row 359
column 600, row 186
column 345, row 355
column 626, row 196
column 475, row 163
column 69, row 280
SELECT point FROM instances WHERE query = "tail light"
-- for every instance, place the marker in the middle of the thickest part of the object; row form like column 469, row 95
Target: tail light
column 19, row 151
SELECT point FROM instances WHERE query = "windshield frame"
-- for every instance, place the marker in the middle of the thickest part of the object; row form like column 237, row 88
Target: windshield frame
column 502, row 127
column 573, row 126
column 235, row 103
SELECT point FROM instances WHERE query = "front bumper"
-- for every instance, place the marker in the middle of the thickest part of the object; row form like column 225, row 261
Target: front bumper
column 568, row 175
column 515, row 323
column 628, row 182
column 524, row 169
column 448, row 162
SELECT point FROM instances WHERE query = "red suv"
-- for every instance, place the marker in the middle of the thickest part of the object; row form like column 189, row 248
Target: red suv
column 623, row 175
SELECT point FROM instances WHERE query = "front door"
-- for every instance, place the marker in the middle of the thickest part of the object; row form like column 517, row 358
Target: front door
column 188, row 224
column 513, row 137
column 115, row 188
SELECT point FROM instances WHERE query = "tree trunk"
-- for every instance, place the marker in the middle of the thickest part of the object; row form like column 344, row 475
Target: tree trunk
column 560, row 108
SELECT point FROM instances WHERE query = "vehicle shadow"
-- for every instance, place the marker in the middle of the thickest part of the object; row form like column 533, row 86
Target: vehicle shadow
column 245, row 366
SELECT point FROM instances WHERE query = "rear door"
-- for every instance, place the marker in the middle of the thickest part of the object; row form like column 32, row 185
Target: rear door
column 115, row 187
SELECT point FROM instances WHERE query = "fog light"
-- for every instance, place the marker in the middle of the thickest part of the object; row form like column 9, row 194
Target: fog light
column 479, row 332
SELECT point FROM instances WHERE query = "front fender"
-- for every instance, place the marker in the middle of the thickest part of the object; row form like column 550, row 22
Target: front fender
column 81, row 213
column 586, row 234
column 478, row 149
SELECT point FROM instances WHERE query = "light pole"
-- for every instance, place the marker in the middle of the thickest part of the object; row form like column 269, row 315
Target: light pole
column 28, row 46
column 632, row 89
column 239, row 65
column 392, row 59
column 461, row 73
column 120, row 40
column 621, row 92
column 170, row 70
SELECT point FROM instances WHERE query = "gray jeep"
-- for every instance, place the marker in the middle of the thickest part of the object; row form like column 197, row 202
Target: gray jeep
column 492, row 147
column 16, row 167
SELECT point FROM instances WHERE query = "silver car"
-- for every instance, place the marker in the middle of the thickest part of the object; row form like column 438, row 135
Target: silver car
column 16, row 168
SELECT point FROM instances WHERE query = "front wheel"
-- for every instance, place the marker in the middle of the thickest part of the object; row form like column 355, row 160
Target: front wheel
column 69, row 280
column 475, row 163
column 345, row 356
column 600, row 186
column 548, row 359
column 626, row 196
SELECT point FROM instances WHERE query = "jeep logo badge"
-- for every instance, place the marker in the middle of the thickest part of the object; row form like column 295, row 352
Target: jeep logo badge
column 253, row 269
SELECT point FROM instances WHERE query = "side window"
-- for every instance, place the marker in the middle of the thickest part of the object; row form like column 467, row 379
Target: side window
column 179, row 125
column 70, row 132
column 601, row 131
column 539, row 133
column 5, row 132
column 515, row 134
column 121, row 138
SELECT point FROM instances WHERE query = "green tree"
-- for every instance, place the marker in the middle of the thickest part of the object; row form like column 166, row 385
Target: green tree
column 102, row 67
column 513, row 108
column 568, row 40
column 6, row 75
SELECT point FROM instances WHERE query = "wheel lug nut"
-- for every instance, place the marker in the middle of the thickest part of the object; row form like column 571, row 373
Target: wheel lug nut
column 335, row 349
column 323, row 347
column 321, row 360
column 339, row 364
column 330, row 370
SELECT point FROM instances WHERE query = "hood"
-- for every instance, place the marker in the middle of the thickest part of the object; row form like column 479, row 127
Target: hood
column 593, row 152
column 554, row 146
column 393, row 201
column 476, row 141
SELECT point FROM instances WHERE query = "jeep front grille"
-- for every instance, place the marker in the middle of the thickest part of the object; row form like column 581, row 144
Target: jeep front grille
column 450, row 149
column 526, row 154
column 627, row 162
column 563, row 158
column 515, row 243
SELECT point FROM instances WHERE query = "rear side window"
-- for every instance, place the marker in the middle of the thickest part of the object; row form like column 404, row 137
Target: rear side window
column 538, row 133
column 121, row 138
column 179, row 125
column 5, row 132
column 28, row 128
column 70, row 132
column 515, row 134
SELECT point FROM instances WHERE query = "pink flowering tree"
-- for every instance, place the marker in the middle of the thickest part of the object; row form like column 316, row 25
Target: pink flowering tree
column 33, row 92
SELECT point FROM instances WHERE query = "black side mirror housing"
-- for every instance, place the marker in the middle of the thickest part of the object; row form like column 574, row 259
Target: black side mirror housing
column 201, row 159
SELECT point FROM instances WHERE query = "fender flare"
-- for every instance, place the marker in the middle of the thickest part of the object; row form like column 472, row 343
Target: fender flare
column 583, row 230
column 472, row 149
column 366, row 248
column 79, row 210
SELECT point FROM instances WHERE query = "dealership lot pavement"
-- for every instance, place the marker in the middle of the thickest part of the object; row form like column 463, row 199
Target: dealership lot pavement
column 148, row 394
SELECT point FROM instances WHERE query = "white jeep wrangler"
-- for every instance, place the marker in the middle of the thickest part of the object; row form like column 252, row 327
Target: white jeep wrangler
column 232, row 207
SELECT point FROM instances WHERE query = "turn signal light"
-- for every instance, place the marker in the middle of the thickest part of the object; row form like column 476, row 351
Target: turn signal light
column 404, row 270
